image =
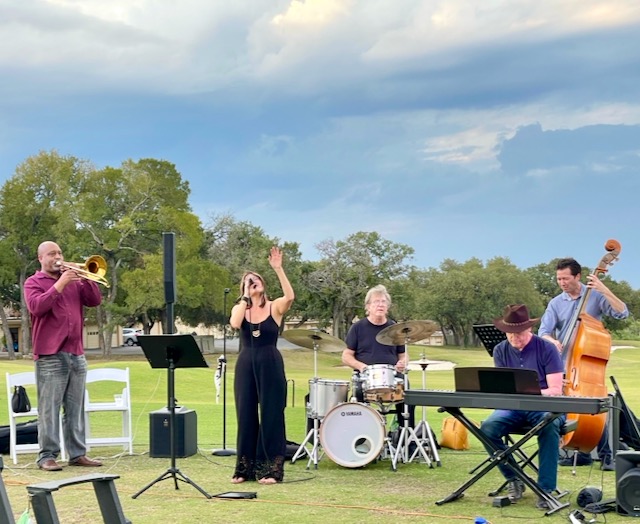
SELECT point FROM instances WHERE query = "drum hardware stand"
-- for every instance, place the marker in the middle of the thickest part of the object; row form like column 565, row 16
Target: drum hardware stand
column 395, row 335
column 388, row 448
column 423, row 425
column 314, row 433
column 408, row 435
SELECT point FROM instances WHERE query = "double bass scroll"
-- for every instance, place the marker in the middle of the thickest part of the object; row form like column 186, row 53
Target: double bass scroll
column 588, row 346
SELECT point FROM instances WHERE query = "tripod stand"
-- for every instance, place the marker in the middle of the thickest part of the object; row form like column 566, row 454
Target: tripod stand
column 313, row 435
column 407, row 436
column 423, row 429
column 401, row 334
column 171, row 352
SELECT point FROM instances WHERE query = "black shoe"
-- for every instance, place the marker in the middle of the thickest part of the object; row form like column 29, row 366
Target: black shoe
column 584, row 459
column 542, row 504
column 515, row 489
column 608, row 465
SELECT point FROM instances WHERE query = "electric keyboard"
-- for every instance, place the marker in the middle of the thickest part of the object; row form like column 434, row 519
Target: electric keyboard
column 459, row 399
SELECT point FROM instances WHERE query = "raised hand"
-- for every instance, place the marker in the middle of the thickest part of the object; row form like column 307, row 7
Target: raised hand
column 275, row 258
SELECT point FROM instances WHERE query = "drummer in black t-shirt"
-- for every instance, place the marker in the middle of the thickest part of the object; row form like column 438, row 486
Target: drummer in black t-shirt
column 364, row 350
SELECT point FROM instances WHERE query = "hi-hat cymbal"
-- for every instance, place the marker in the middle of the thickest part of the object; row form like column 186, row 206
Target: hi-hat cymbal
column 314, row 339
column 405, row 332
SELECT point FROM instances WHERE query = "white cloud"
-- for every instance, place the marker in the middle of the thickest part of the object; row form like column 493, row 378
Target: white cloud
column 341, row 115
column 310, row 14
column 433, row 27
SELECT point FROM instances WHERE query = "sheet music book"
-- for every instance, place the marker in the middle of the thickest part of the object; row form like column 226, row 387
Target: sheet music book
column 497, row 380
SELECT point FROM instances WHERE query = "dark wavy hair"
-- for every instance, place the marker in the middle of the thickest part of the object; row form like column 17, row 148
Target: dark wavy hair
column 571, row 263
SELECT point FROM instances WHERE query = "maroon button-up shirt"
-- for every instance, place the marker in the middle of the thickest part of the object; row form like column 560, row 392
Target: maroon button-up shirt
column 57, row 319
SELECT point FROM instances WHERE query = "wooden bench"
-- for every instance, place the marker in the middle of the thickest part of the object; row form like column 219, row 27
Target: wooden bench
column 44, row 509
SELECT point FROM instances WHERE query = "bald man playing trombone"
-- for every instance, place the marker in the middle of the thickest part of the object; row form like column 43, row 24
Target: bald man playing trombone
column 56, row 296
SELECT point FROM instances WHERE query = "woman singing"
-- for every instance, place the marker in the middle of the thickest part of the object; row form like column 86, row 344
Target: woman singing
column 260, row 385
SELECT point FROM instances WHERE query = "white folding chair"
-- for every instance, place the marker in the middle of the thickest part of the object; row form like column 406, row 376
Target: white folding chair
column 26, row 379
column 121, row 403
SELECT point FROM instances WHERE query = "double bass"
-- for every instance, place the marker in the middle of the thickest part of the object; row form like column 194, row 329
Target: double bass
column 588, row 346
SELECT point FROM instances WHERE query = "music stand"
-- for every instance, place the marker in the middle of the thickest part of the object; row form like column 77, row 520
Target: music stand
column 171, row 352
column 489, row 335
column 623, row 408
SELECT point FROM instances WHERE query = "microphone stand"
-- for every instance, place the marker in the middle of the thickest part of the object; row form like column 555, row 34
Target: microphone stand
column 224, row 452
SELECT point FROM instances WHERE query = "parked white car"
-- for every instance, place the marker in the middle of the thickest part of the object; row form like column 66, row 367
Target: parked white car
column 130, row 336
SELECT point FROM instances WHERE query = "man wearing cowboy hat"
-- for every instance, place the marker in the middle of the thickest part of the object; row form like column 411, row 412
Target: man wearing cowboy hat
column 523, row 349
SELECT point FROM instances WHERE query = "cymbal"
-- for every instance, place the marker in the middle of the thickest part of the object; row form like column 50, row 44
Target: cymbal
column 404, row 332
column 314, row 339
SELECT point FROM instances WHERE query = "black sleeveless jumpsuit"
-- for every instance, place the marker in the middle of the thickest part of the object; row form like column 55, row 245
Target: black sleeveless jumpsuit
column 260, row 389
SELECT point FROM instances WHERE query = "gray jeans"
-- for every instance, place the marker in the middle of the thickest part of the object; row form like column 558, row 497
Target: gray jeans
column 61, row 382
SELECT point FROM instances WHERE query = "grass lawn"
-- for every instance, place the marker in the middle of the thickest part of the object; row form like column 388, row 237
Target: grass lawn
column 330, row 493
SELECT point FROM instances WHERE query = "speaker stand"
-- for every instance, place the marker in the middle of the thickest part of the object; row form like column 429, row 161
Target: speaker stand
column 180, row 349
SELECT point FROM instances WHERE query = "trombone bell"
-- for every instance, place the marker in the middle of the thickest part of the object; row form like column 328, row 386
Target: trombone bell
column 94, row 268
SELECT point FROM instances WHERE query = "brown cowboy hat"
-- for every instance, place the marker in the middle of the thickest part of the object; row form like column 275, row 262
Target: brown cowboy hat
column 514, row 319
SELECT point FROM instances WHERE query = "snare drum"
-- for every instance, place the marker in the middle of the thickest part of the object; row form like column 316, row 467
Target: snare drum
column 380, row 384
column 325, row 394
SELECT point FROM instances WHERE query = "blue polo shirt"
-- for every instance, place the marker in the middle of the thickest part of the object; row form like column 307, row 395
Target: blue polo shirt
column 539, row 355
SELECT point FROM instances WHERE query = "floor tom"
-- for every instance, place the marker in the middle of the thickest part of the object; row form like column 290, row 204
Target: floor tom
column 324, row 394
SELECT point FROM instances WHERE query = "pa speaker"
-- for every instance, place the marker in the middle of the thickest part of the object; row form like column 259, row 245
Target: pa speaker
column 186, row 433
column 628, row 483
column 169, row 267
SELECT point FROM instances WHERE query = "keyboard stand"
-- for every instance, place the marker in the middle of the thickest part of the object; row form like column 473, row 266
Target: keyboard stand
column 502, row 456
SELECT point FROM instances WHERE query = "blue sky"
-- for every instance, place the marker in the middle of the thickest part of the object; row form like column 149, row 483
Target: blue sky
column 461, row 128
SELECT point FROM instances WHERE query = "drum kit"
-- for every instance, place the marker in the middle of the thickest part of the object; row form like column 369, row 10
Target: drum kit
column 350, row 432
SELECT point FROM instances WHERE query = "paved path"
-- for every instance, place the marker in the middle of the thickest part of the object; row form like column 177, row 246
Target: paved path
column 231, row 347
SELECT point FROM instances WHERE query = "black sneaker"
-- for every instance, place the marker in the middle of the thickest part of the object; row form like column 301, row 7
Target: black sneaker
column 584, row 459
column 515, row 489
column 542, row 504
column 608, row 465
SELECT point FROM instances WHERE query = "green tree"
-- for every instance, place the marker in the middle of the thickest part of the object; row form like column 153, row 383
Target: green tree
column 348, row 268
column 119, row 214
column 457, row 296
column 30, row 214
column 199, row 282
column 543, row 278
column 239, row 246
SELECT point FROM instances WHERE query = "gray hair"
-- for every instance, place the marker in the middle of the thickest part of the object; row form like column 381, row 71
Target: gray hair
column 377, row 290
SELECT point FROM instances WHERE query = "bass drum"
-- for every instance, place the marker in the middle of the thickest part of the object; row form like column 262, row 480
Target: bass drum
column 352, row 434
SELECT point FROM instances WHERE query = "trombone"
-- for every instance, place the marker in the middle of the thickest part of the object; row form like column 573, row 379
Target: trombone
column 94, row 268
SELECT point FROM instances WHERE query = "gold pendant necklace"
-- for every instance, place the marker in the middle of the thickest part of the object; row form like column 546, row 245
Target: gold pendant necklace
column 256, row 332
